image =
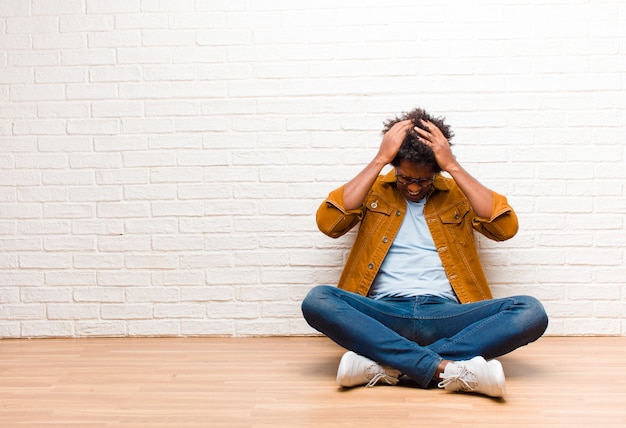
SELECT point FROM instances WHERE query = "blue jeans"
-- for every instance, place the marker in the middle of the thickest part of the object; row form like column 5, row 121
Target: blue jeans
column 413, row 335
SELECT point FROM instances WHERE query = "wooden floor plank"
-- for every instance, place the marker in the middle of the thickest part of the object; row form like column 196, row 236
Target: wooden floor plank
column 290, row 382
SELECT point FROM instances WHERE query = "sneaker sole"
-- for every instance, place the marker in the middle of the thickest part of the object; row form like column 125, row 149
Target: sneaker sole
column 343, row 372
column 496, row 368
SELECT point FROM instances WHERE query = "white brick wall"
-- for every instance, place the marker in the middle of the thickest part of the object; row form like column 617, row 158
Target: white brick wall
column 161, row 161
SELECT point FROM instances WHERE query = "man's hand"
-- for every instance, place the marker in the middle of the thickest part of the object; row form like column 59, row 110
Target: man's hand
column 435, row 139
column 392, row 140
column 355, row 190
column 480, row 197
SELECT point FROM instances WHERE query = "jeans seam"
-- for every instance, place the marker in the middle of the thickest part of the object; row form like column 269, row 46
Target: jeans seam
column 366, row 302
column 474, row 327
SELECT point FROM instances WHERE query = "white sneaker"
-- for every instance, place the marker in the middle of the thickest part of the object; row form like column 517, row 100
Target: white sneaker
column 475, row 375
column 357, row 370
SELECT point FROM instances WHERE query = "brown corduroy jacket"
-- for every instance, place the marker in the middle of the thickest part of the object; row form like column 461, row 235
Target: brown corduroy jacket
column 451, row 221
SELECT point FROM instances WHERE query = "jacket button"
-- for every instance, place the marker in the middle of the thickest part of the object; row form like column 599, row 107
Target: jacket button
column 442, row 249
column 398, row 213
column 374, row 205
column 385, row 239
column 370, row 266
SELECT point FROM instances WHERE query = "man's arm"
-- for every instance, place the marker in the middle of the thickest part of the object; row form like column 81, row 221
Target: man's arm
column 479, row 196
column 356, row 189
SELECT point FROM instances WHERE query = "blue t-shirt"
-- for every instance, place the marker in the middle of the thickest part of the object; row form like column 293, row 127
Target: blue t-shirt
column 412, row 266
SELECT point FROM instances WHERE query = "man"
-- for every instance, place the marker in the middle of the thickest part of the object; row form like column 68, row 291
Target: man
column 412, row 298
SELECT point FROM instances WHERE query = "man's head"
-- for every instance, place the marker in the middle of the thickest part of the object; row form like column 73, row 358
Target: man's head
column 412, row 149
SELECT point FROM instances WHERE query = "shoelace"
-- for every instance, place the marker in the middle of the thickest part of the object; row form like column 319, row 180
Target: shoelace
column 464, row 378
column 380, row 376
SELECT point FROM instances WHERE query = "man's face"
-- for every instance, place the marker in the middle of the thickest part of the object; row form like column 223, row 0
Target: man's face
column 414, row 180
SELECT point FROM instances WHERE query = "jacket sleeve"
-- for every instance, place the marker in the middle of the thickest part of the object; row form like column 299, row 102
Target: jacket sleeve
column 503, row 223
column 333, row 219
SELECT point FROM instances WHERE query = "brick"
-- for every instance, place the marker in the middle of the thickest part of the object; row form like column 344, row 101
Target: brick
column 66, row 41
column 143, row 126
column 179, row 310
column 95, row 161
column 207, row 328
column 21, row 278
column 207, row 294
column 19, row 178
column 123, row 243
column 22, row 312
column 174, row 6
column 32, row 24
column 60, row 7
column 261, row 327
column 82, row 23
column 150, row 226
column 63, row 109
column 115, row 74
column 10, row 330
column 41, row 92
column 99, row 295
column 112, row 7
column 117, row 109
column 72, row 278
column 47, row 328
column 100, row 329
column 119, row 143
column 80, row 311
column 40, row 127
column 124, row 176
column 178, row 278
column 100, row 193
column 68, row 210
column 20, row 244
column 93, row 57
column 176, row 175
column 14, row 8
column 93, row 126
column 177, row 243
column 141, row 21
column 233, row 310
column 78, row 243
column 170, row 73
column 109, row 311
column 64, row 144
column 150, row 192
column 117, row 39
column 151, row 262
column 45, row 261
column 44, row 227
column 99, row 261
column 143, row 55
column 168, row 38
column 97, row 227
column 151, row 294
column 154, row 328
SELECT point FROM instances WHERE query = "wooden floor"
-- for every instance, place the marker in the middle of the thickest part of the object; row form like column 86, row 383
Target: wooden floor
column 290, row 382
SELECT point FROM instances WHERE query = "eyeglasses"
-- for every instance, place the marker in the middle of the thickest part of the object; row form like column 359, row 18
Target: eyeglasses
column 422, row 182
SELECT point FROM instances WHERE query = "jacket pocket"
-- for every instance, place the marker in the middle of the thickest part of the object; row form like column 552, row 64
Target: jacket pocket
column 456, row 222
column 376, row 204
column 376, row 214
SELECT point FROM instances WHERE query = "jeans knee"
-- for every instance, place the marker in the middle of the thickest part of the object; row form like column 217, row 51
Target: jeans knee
column 312, row 302
column 537, row 317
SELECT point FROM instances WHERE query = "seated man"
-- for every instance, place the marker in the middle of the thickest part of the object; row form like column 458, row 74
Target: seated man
column 412, row 298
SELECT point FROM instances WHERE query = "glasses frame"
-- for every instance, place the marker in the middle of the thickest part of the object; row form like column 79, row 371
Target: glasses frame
column 407, row 181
